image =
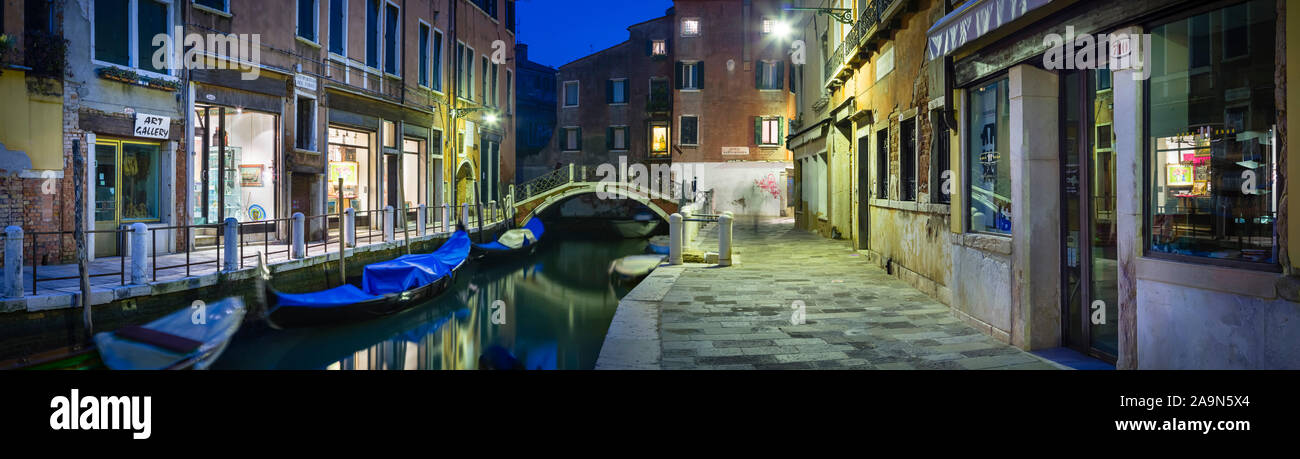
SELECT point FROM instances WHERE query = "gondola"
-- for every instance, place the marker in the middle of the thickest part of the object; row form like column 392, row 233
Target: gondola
column 188, row 339
column 526, row 243
column 642, row 225
column 383, row 289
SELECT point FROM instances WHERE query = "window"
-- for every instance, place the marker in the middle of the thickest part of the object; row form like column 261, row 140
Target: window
column 464, row 71
column 907, row 160
column 988, row 154
column 660, row 95
column 140, row 164
column 338, row 27
column 572, row 139
column 372, row 33
column 616, row 138
column 659, row 48
column 483, row 96
column 691, row 27
column 659, row 139
column 571, row 94
column 882, row 164
column 115, row 28
column 690, row 75
column 495, row 100
column 424, row 55
column 769, row 26
column 1212, row 141
column 690, row 130
column 768, row 131
column 219, row 5
column 307, row 19
column 306, row 124
column 392, row 36
column 436, row 74
column 940, row 162
column 770, row 75
column 616, row 91
column 488, row 6
column 510, row 91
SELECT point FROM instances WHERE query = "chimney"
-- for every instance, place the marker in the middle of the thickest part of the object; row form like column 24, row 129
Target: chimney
column 521, row 52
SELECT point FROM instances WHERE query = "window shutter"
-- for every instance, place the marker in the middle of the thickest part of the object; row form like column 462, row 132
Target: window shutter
column 699, row 75
column 649, row 46
column 780, row 129
column 579, row 138
column 627, row 97
column 609, row 138
column 758, row 75
column 758, row 130
column 679, row 75
column 779, row 78
column 668, row 45
column 793, row 88
column 609, row 91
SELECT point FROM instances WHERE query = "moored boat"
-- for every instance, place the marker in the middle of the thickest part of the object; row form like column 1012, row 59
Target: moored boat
column 384, row 288
column 522, row 241
column 642, row 225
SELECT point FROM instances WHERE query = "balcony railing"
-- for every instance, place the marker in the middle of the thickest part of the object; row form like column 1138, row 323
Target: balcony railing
column 863, row 29
column 371, row 81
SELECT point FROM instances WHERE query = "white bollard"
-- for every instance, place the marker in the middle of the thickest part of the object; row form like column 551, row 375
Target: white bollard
column 420, row 214
column 724, row 239
column 675, row 239
column 230, row 245
column 13, row 287
column 688, row 228
column 446, row 218
column 464, row 215
column 299, row 236
column 350, row 227
column 139, row 253
column 388, row 224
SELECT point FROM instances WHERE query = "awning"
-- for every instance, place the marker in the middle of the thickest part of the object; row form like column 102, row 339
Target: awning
column 973, row 20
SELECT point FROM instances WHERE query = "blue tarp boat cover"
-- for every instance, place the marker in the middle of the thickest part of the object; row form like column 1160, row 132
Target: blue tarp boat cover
column 213, row 325
column 534, row 225
column 412, row 271
column 338, row 296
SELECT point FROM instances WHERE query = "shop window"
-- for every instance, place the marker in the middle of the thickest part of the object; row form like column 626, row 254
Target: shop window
column 115, row 27
column 139, row 184
column 306, row 127
column 1211, row 177
column 350, row 160
column 413, row 183
column 989, row 178
column 690, row 130
column 247, row 184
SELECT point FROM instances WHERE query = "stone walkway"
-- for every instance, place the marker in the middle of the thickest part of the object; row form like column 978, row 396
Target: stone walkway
column 856, row 316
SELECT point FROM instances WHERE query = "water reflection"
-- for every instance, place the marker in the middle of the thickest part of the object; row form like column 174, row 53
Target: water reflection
column 548, row 311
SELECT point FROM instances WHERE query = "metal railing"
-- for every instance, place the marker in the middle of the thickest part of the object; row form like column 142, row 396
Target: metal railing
column 153, row 249
column 36, row 254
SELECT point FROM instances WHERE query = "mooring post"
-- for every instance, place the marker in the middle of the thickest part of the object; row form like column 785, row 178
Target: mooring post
column 14, row 262
column 350, row 227
column 464, row 215
column 421, row 213
column 139, row 253
column 675, row 239
column 688, row 228
column 388, row 224
column 299, row 236
column 343, row 235
column 724, row 239
column 230, row 241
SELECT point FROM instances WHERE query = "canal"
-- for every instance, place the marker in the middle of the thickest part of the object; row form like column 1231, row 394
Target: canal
column 548, row 311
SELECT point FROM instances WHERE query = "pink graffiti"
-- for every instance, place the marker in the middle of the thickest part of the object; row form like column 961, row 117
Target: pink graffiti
column 769, row 185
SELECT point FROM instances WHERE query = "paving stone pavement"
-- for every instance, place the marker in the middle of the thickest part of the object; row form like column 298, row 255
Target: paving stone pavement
column 857, row 316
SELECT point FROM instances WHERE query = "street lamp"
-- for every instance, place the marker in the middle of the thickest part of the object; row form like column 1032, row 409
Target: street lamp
column 781, row 29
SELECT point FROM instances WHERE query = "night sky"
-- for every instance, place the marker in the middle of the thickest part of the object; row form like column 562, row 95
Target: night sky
column 560, row 31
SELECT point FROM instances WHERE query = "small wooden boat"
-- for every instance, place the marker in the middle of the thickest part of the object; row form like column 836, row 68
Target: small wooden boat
column 633, row 268
column 516, row 242
column 658, row 244
column 642, row 225
column 188, row 339
column 383, row 289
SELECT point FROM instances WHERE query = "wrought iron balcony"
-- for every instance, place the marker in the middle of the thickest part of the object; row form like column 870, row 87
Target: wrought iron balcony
column 839, row 64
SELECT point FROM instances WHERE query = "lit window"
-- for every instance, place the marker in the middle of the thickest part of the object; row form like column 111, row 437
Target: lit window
column 690, row 27
column 769, row 26
column 769, row 131
column 659, row 48
column 659, row 140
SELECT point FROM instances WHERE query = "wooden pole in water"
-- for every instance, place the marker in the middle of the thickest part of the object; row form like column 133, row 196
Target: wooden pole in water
column 79, row 233
column 343, row 273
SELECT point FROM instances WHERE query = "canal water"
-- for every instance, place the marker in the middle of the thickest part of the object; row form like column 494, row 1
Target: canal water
column 550, row 310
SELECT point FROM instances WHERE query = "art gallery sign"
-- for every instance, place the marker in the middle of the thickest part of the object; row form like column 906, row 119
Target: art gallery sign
column 974, row 20
column 152, row 126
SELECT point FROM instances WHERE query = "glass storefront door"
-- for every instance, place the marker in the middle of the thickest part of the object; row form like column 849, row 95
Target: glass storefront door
column 1090, row 309
column 126, row 188
column 235, row 168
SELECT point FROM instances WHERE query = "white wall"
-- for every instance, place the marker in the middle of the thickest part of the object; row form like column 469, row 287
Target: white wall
column 744, row 188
